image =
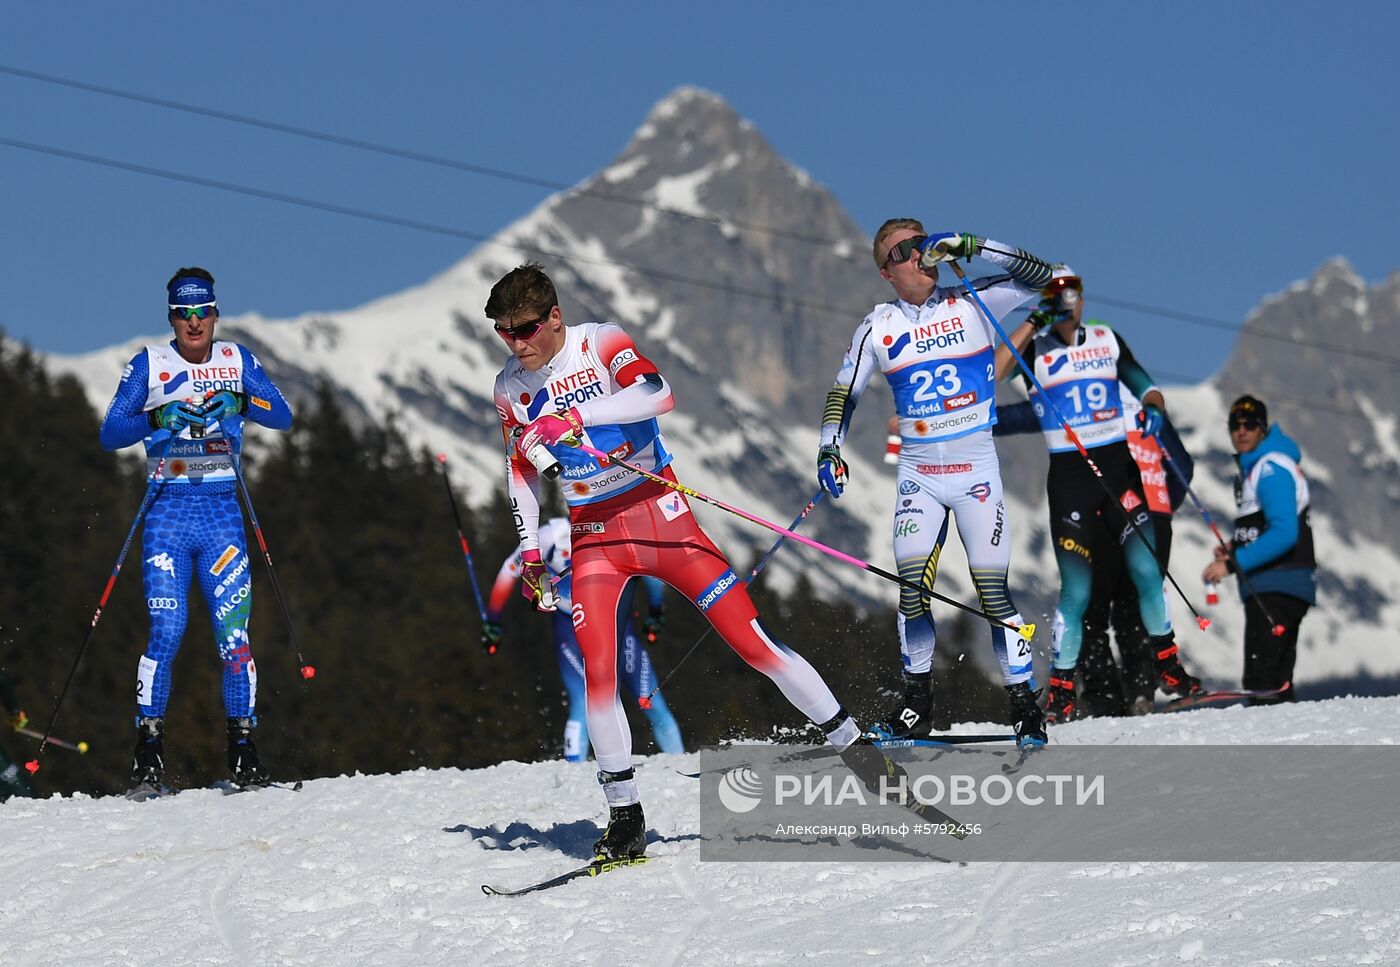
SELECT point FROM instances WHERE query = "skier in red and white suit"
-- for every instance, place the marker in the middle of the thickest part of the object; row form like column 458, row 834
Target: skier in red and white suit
column 589, row 382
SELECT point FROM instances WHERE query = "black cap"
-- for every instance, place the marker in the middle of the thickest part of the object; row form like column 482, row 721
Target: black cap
column 1250, row 408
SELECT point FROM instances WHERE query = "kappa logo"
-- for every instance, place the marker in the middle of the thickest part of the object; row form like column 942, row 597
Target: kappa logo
column 162, row 562
column 1055, row 364
column 673, row 506
column 981, row 491
column 908, row 487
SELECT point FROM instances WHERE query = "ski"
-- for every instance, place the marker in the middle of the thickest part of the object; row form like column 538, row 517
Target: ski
column 935, row 741
column 595, row 868
column 149, row 790
column 1221, row 697
column 233, row 789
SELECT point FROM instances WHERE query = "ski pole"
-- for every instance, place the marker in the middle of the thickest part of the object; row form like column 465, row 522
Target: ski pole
column 462, row 538
column 153, row 486
column 1275, row 628
column 61, row 743
column 645, row 700
column 1026, row 631
column 308, row 670
column 1201, row 621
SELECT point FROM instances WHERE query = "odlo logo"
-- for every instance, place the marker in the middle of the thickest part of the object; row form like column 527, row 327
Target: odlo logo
column 740, row 790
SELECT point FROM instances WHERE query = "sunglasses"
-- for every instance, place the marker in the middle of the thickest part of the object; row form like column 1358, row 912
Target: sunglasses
column 526, row 330
column 189, row 312
column 901, row 252
column 1243, row 425
column 1055, row 286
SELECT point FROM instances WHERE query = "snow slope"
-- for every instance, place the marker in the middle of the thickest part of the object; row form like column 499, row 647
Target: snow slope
column 387, row 870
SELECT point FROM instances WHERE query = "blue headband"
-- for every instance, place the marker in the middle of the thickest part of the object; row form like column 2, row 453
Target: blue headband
column 190, row 290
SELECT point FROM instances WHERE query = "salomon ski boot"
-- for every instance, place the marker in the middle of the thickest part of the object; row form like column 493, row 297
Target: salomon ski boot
column 243, row 759
column 1172, row 678
column 912, row 717
column 1026, row 716
column 1061, row 705
column 148, row 758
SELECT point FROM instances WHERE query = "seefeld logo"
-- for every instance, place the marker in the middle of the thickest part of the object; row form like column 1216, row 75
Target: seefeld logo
column 740, row 790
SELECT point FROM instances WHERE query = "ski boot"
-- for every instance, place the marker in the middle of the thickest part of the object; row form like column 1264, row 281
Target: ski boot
column 1061, row 705
column 1026, row 716
column 912, row 717
column 1172, row 678
column 626, row 835
column 243, row 759
column 148, row 758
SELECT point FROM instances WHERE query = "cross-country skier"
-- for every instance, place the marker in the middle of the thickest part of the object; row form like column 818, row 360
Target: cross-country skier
column 1272, row 547
column 188, row 400
column 1082, row 368
column 633, row 660
column 590, row 382
column 940, row 357
column 1113, row 602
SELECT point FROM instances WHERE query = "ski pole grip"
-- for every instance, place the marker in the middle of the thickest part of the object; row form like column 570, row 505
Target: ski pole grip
column 543, row 461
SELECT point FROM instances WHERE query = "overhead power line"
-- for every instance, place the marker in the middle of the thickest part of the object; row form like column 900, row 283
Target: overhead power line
column 558, row 186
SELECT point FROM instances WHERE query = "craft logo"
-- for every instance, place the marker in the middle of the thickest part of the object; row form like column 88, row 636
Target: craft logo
column 981, row 491
column 162, row 562
column 907, row 487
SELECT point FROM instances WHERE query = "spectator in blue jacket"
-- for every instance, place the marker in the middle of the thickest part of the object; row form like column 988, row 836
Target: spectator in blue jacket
column 1272, row 548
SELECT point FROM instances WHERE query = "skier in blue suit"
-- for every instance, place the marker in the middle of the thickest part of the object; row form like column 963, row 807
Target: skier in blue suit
column 188, row 400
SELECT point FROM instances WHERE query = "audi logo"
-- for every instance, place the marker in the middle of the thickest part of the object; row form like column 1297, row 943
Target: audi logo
column 162, row 604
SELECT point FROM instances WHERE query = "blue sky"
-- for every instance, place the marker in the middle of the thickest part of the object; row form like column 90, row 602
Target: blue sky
column 1190, row 156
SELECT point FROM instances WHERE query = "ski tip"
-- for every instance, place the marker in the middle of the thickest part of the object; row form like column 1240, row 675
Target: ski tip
column 1027, row 631
column 32, row 766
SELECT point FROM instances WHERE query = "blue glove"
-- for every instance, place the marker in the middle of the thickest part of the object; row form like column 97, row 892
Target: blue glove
column 223, row 404
column 831, row 469
column 176, row 417
column 942, row 246
column 1150, row 420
